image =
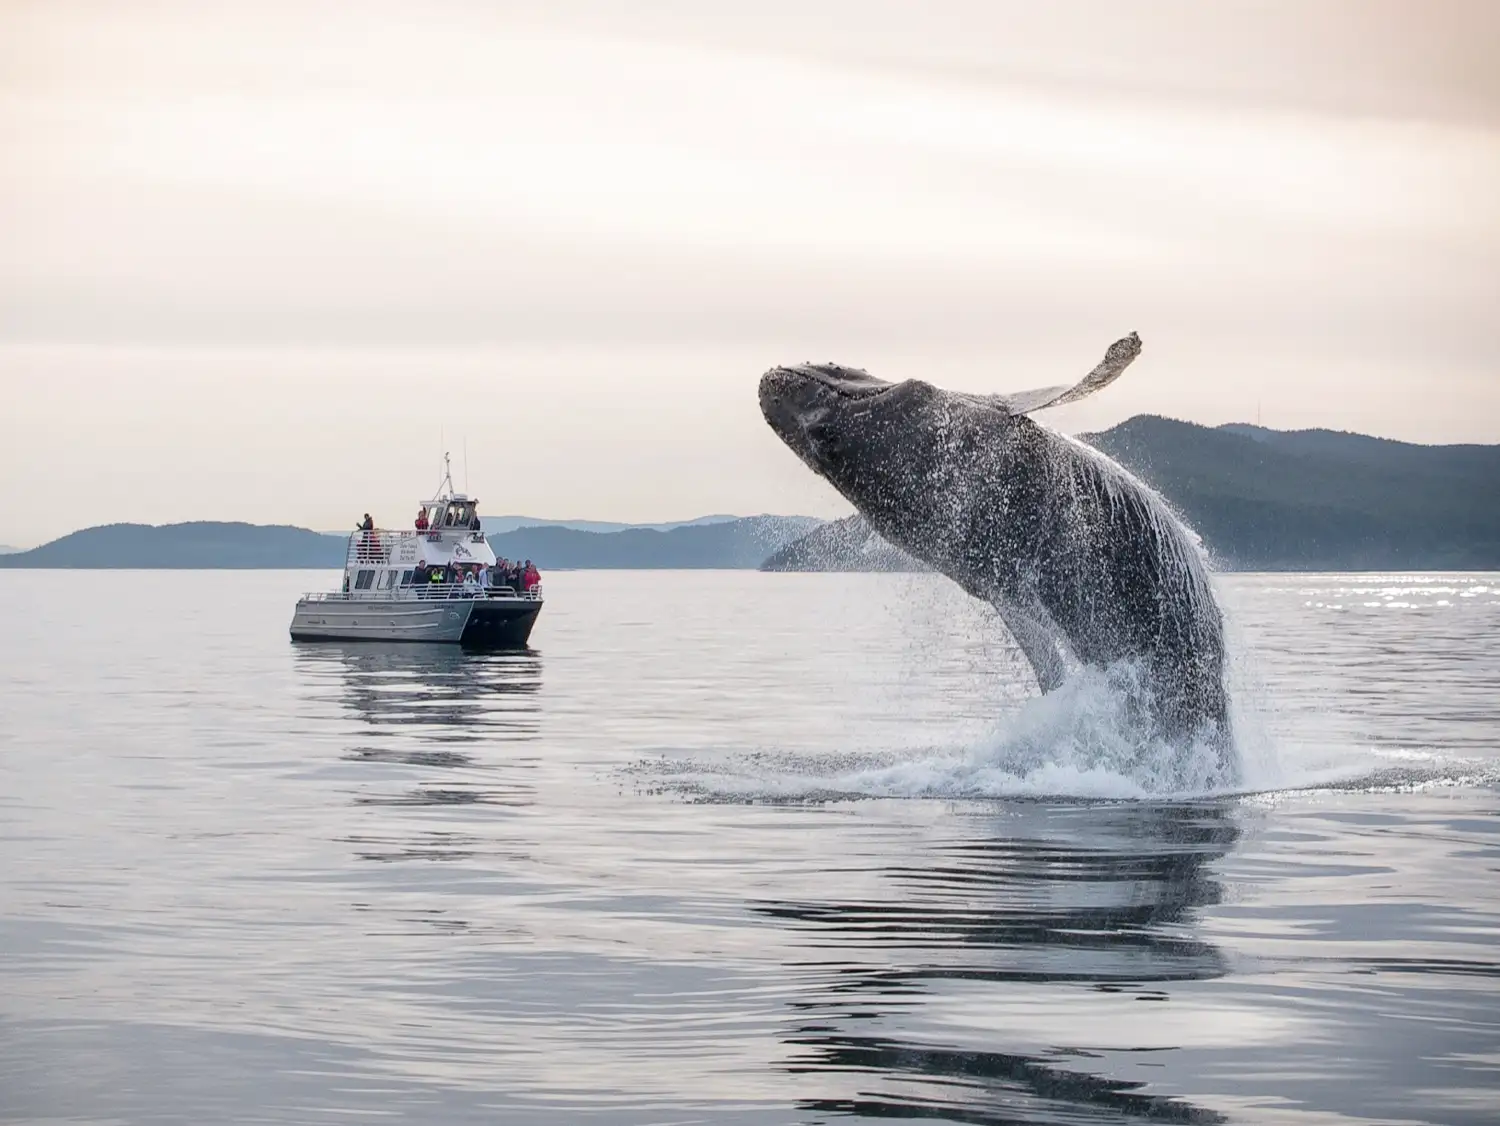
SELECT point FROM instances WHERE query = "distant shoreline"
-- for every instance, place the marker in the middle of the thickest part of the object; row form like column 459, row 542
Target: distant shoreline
column 1263, row 501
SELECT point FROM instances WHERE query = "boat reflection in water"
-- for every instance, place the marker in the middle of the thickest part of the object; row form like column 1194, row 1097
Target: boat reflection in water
column 438, row 693
column 958, row 990
column 439, row 727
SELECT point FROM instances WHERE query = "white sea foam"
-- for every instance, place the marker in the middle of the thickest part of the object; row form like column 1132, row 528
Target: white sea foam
column 1086, row 740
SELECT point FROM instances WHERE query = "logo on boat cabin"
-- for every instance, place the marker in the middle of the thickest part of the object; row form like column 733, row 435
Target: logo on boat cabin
column 461, row 552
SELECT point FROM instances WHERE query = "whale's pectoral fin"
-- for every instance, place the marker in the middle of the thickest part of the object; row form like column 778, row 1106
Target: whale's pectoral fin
column 1119, row 357
column 1040, row 641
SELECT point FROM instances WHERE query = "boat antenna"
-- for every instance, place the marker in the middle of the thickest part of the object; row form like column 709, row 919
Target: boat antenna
column 447, row 473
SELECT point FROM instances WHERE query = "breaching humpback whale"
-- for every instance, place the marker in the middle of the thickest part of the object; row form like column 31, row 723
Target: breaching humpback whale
column 1085, row 564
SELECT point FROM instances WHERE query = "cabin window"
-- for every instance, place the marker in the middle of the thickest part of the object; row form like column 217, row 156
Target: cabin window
column 386, row 578
column 363, row 580
column 406, row 578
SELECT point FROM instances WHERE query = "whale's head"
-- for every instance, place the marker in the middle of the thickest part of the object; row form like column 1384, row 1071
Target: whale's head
column 816, row 409
column 887, row 447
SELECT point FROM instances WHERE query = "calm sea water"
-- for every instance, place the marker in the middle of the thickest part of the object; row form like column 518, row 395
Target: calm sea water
column 730, row 847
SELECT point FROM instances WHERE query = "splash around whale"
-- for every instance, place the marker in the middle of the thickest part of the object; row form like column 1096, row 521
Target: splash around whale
column 1087, row 566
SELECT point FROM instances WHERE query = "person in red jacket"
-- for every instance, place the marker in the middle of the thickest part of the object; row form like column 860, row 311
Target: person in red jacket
column 421, row 519
column 532, row 577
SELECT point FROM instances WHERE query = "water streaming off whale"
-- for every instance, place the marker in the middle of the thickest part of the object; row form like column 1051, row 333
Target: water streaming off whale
column 1087, row 566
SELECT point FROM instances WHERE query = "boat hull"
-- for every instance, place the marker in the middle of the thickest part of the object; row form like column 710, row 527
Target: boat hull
column 480, row 623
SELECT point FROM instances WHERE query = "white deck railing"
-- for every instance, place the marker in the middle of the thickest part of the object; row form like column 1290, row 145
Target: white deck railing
column 426, row 592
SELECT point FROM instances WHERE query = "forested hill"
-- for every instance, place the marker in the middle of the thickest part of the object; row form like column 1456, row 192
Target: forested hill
column 200, row 544
column 1319, row 499
column 1275, row 500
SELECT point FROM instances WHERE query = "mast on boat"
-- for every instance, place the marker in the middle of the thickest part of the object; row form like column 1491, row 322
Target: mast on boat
column 447, row 479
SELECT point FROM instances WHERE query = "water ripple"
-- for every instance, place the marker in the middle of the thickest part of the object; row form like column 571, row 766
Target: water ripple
column 645, row 872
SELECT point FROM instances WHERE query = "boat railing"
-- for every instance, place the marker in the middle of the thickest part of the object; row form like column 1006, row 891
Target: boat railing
column 379, row 545
column 422, row 592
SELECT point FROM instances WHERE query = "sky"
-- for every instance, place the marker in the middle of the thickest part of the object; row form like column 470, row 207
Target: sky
column 266, row 261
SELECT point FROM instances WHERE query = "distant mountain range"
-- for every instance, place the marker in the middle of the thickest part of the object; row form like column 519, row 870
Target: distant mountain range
column 1273, row 500
column 1261, row 499
column 496, row 525
column 715, row 542
column 202, row 544
column 734, row 543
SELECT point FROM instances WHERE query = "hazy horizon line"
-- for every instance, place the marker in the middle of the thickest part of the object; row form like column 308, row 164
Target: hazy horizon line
column 13, row 547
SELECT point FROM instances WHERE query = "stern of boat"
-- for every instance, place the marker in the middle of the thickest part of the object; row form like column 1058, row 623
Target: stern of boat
column 500, row 623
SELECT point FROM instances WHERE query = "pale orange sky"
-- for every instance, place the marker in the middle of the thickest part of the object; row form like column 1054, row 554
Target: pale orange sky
column 258, row 261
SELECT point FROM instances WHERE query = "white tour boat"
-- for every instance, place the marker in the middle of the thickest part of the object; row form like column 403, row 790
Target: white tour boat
column 403, row 586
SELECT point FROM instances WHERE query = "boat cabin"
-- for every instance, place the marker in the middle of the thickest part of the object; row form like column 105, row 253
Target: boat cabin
column 450, row 512
column 445, row 546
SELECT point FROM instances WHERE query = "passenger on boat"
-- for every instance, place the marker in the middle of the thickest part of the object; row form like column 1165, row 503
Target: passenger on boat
column 471, row 585
column 367, row 525
column 421, row 519
column 531, row 578
column 474, row 523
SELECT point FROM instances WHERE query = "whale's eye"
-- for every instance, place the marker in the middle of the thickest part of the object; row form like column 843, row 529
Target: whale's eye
column 826, row 441
column 823, row 435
